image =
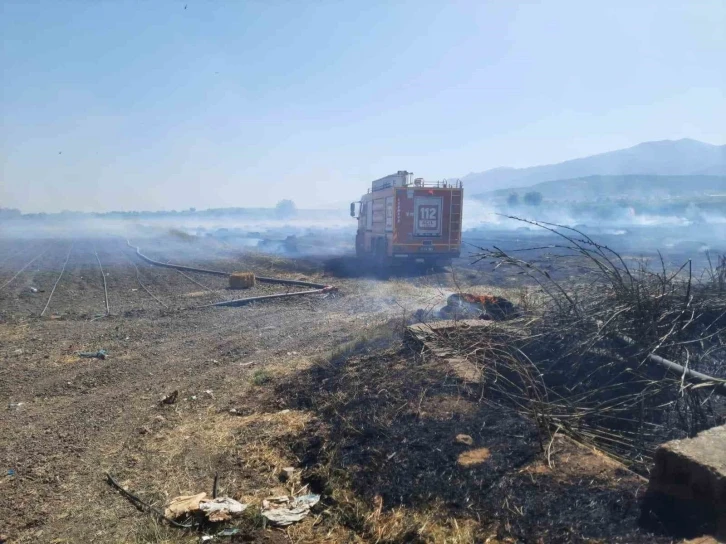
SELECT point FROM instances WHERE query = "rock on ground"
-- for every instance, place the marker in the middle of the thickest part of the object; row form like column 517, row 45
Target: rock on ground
column 687, row 489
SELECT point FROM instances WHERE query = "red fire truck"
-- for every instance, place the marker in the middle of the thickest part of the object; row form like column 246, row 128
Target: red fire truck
column 402, row 219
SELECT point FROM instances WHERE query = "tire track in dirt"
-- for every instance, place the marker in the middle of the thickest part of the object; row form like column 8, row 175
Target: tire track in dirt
column 215, row 286
column 80, row 294
column 103, row 278
column 80, row 413
column 163, row 286
column 50, row 296
column 169, row 286
column 126, row 294
column 18, row 300
column 23, row 268
column 141, row 284
column 11, row 254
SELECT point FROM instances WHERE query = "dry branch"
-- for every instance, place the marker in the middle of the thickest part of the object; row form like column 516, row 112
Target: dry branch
column 623, row 356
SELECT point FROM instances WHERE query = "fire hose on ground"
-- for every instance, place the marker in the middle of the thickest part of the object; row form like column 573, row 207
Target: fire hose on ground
column 317, row 288
column 687, row 375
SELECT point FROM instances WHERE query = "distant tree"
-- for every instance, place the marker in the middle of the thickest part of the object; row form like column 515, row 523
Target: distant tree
column 513, row 199
column 285, row 208
column 533, row 198
column 9, row 213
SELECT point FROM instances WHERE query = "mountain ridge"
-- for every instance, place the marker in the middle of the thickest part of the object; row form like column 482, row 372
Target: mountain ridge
column 631, row 186
column 663, row 157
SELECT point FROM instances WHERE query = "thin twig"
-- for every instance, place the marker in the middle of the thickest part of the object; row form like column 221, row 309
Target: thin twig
column 143, row 505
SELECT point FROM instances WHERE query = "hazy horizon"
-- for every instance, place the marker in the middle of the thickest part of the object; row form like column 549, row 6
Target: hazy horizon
column 172, row 105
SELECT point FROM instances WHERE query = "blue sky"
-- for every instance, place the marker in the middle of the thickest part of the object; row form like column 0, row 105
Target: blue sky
column 148, row 105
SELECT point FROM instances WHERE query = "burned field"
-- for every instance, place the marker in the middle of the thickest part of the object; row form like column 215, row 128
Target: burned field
column 321, row 394
column 96, row 277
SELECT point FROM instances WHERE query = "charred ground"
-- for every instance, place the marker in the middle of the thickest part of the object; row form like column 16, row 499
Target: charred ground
column 323, row 384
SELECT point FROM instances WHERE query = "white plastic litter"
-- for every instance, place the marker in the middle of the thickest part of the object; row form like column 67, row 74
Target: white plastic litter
column 221, row 508
column 284, row 511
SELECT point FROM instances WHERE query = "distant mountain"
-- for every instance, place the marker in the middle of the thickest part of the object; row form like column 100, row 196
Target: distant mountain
column 666, row 157
column 635, row 186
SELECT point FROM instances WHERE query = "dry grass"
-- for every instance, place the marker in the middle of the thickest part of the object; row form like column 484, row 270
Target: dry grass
column 195, row 294
column 475, row 456
column 180, row 452
column 380, row 489
column 375, row 337
column 17, row 333
column 278, row 264
column 337, row 419
column 376, row 522
column 181, row 455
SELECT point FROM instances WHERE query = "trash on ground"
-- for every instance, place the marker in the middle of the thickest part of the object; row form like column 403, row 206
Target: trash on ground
column 15, row 405
column 11, row 472
column 170, row 398
column 33, row 289
column 464, row 439
column 232, row 531
column 286, row 473
column 100, row 354
column 184, row 504
column 284, row 511
column 221, row 508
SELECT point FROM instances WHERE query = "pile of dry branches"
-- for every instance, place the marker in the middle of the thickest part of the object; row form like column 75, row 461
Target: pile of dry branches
column 623, row 356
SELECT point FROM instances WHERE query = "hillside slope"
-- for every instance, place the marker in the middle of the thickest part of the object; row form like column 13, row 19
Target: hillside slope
column 629, row 186
column 667, row 158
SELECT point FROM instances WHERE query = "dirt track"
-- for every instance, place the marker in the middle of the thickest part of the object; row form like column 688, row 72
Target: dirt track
column 67, row 420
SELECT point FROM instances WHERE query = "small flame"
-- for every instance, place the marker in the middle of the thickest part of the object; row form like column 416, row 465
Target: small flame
column 480, row 299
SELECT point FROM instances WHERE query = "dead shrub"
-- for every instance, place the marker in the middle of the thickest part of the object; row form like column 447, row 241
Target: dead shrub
column 590, row 361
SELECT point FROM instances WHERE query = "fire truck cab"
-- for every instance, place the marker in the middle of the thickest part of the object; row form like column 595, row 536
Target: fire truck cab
column 402, row 219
